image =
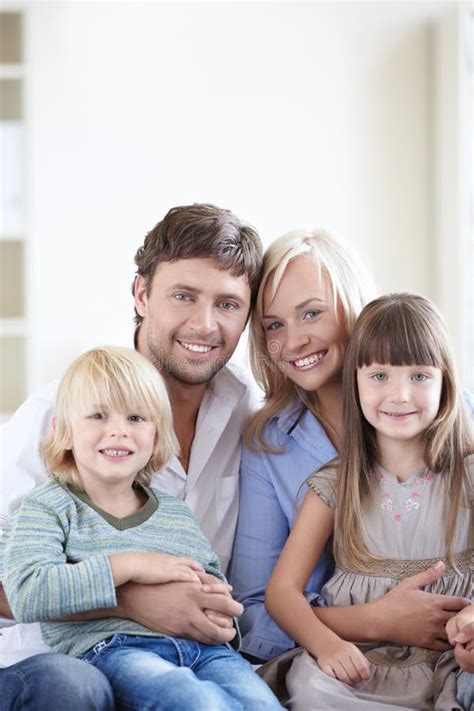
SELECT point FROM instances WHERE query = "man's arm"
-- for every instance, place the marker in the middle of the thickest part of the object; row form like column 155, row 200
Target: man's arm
column 406, row 615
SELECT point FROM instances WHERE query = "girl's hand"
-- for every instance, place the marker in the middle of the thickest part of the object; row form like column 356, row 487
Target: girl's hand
column 152, row 568
column 344, row 661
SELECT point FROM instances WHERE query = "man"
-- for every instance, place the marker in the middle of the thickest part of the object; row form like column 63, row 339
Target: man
column 197, row 275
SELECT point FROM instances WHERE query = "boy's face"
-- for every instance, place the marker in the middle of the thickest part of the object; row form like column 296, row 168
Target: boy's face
column 110, row 447
column 193, row 317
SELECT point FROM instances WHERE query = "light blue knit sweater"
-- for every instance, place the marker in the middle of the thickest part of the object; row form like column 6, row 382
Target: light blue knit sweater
column 56, row 564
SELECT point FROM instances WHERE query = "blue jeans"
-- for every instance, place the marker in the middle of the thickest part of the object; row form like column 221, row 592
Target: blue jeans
column 172, row 673
column 54, row 681
column 465, row 683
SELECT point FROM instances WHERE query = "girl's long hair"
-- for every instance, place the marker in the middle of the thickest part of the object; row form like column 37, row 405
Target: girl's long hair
column 352, row 287
column 398, row 329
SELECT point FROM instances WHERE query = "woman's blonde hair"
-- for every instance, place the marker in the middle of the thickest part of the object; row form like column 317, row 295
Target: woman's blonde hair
column 118, row 378
column 398, row 329
column 352, row 287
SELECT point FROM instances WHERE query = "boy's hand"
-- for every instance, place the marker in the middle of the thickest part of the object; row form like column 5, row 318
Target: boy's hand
column 344, row 661
column 152, row 568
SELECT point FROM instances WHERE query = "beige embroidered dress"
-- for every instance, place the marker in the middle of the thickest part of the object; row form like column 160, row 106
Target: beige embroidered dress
column 404, row 525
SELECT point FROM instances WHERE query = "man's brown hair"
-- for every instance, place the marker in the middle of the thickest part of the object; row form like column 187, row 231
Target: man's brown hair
column 201, row 231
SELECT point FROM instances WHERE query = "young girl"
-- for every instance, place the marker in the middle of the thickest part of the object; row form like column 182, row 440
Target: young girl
column 402, row 502
column 98, row 524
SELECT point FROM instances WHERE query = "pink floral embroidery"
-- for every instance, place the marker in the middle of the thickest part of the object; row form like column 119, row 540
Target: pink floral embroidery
column 406, row 505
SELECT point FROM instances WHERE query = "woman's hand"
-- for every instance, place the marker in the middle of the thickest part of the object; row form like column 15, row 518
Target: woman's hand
column 344, row 661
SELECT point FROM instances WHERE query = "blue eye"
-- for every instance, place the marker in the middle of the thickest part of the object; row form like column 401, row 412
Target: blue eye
column 229, row 306
column 419, row 377
column 310, row 315
column 274, row 326
column 136, row 418
column 379, row 377
column 182, row 297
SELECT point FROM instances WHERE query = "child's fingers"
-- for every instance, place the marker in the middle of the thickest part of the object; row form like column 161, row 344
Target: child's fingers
column 464, row 633
column 327, row 669
column 361, row 666
column 193, row 564
column 221, row 588
column 464, row 658
column 345, row 671
column 184, row 575
column 452, row 629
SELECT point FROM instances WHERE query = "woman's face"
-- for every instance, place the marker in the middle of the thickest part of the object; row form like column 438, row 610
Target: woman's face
column 306, row 338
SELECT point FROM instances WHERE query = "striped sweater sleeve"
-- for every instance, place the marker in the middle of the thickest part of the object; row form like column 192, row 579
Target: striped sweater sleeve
column 39, row 582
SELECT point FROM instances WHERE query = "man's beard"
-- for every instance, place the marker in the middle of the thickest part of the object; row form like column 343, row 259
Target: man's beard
column 182, row 369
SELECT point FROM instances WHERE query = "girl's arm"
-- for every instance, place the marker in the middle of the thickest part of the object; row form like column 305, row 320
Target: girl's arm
column 286, row 603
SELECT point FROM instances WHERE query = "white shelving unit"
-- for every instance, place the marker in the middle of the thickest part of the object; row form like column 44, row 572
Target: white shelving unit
column 13, row 310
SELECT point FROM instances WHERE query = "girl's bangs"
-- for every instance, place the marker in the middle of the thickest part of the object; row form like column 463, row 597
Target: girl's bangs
column 397, row 339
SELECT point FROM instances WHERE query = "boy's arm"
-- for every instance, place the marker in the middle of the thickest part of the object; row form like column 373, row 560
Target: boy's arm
column 38, row 581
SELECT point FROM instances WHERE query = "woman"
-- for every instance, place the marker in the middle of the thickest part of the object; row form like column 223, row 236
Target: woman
column 311, row 293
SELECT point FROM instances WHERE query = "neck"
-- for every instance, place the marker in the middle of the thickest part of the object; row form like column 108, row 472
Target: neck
column 119, row 499
column 329, row 399
column 400, row 457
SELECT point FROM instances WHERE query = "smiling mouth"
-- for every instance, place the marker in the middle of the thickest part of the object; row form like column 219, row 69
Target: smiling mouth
column 116, row 452
column 309, row 361
column 198, row 347
column 398, row 415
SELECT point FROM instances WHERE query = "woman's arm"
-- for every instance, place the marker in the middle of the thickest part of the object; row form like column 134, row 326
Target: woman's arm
column 285, row 600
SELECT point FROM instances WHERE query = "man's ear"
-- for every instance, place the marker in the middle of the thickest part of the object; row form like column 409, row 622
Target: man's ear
column 140, row 293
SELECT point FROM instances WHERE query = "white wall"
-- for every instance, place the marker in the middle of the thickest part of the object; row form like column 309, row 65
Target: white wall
column 291, row 114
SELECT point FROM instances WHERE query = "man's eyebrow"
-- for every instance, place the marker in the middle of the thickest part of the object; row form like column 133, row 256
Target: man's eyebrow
column 185, row 287
column 299, row 306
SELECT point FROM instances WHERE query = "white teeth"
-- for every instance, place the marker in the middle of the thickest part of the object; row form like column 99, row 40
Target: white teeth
column 197, row 349
column 309, row 360
column 116, row 452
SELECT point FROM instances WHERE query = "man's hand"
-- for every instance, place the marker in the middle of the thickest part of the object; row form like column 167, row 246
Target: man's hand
column 179, row 610
column 344, row 661
column 416, row 617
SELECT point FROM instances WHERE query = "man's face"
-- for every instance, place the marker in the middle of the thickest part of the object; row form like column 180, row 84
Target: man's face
column 193, row 317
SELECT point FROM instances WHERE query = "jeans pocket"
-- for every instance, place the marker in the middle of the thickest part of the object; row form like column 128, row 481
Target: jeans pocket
column 94, row 652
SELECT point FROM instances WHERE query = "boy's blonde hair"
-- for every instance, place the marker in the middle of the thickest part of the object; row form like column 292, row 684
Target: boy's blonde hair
column 119, row 378
column 352, row 287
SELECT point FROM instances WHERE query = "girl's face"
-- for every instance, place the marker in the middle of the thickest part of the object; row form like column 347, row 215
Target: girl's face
column 110, row 446
column 399, row 401
column 305, row 336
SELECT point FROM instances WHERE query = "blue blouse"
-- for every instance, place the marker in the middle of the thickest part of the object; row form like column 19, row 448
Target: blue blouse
column 271, row 488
